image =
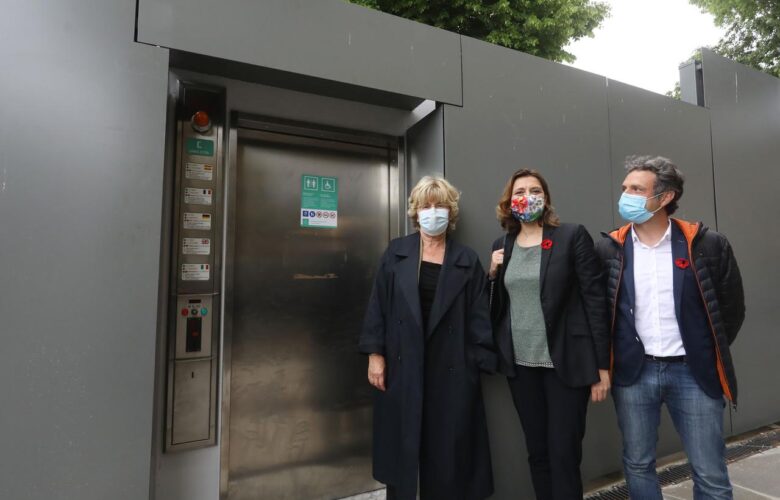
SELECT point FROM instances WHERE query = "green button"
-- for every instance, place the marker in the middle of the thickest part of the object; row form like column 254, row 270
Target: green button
column 200, row 147
column 204, row 311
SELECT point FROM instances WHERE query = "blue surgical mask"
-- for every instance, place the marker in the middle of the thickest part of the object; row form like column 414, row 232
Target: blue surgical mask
column 434, row 221
column 632, row 207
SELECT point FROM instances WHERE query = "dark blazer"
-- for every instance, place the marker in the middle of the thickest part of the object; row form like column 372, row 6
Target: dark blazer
column 436, row 369
column 708, row 302
column 572, row 297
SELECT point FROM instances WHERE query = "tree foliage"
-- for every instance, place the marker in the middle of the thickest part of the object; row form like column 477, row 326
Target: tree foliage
column 752, row 31
column 675, row 93
column 539, row 27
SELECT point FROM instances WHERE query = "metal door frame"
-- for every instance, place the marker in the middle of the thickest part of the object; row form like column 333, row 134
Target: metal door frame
column 246, row 124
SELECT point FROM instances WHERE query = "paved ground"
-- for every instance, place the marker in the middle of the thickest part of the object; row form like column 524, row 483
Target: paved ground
column 756, row 477
column 371, row 495
column 753, row 478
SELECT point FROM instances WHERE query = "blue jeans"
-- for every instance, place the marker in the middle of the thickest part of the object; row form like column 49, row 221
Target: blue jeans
column 697, row 418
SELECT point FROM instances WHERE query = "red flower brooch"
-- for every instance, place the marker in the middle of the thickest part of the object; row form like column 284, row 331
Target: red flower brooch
column 547, row 244
column 682, row 263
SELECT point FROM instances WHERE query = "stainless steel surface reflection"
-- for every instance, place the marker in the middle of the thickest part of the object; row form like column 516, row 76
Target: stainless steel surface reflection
column 300, row 408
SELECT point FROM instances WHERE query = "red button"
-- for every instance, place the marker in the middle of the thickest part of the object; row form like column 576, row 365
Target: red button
column 185, row 311
column 201, row 119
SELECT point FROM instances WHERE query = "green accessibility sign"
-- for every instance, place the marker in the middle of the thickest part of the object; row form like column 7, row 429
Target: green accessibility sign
column 200, row 147
column 319, row 201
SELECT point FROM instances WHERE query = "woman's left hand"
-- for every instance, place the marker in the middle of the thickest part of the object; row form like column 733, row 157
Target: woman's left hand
column 599, row 390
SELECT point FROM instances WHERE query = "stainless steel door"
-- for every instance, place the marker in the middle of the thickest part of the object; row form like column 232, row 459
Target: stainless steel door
column 300, row 406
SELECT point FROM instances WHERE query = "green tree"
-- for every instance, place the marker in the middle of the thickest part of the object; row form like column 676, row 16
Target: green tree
column 539, row 27
column 675, row 93
column 752, row 31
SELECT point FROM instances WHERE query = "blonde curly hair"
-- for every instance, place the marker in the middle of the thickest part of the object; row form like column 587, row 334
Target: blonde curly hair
column 434, row 190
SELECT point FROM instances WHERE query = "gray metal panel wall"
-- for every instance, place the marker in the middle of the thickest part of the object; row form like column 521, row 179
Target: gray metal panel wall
column 328, row 39
column 81, row 155
column 691, row 88
column 522, row 111
column 425, row 148
column 645, row 123
column 745, row 112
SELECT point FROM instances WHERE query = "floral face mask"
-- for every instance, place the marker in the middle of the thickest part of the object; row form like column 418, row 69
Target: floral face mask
column 528, row 208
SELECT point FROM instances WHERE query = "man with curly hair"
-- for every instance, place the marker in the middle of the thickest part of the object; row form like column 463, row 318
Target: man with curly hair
column 676, row 302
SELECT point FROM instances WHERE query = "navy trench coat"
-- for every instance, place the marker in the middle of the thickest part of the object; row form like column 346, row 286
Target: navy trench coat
column 431, row 415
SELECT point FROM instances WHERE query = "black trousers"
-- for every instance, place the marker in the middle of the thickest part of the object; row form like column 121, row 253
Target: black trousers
column 553, row 419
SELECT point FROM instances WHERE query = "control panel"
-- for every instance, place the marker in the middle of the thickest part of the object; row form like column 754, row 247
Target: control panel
column 193, row 339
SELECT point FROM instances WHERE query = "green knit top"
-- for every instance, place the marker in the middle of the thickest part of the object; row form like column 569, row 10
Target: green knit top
column 529, row 335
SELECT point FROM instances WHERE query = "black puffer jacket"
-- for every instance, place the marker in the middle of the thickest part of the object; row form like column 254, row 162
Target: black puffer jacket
column 719, row 281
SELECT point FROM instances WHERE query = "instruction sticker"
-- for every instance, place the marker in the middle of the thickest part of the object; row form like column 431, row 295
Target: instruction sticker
column 200, row 147
column 196, row 246
column 194, row 220
column 197, row 196
column 194, row 272
column 199, row 171
column 319, row 201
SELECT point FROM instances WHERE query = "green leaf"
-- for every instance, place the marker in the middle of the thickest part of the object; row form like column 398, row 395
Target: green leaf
column 752, row 31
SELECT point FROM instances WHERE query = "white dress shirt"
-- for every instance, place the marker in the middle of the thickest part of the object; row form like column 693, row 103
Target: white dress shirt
column 654, row 316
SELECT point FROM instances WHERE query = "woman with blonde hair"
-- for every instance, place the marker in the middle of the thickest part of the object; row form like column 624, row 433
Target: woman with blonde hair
column 551, row 329
column 427, row 335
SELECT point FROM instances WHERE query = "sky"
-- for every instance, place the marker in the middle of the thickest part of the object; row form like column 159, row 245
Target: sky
column 643, row 42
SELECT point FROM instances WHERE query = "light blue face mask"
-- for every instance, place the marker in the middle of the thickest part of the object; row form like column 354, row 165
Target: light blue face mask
column 434, row 221
column 632, row 207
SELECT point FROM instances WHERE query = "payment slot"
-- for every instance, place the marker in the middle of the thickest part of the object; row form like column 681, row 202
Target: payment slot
column 193, row 339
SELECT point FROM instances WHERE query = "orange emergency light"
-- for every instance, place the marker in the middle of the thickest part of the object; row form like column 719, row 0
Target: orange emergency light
column 201, row 122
